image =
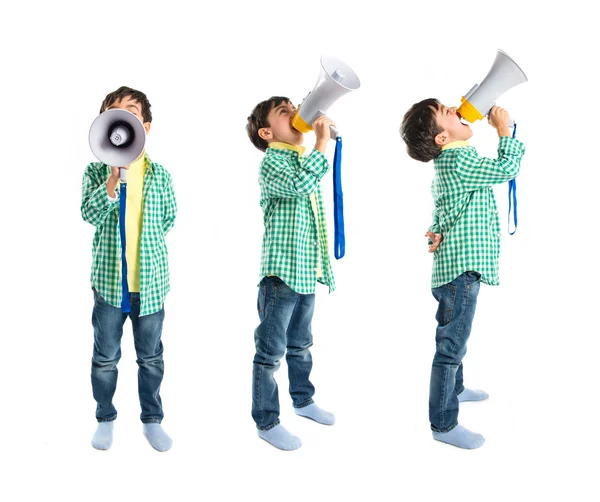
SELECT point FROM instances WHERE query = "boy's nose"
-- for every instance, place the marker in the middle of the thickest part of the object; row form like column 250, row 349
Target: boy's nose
column 453, row 109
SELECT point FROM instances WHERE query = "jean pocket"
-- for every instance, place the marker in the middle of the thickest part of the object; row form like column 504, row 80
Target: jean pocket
column 445, row 295
column 260, row 302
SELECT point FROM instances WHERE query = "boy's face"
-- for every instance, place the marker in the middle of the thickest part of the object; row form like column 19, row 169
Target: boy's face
column 280, row 126
column 453, row 129
column 131, row 105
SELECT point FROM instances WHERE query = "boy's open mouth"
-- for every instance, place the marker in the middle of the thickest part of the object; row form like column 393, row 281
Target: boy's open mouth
column 463, row 121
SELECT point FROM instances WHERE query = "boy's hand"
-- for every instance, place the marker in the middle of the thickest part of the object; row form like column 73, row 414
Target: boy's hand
column 498, row 119
column 321, row 127
column 435, row 239
column 115, row 172
column 113, row 180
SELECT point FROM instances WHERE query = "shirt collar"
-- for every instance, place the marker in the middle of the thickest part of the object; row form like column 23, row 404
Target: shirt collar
column 455, row 144
column 286, row 146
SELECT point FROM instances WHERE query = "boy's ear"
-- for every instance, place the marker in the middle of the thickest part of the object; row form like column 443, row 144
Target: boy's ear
column 441, row 139
column 147, row 126
column 265, row 133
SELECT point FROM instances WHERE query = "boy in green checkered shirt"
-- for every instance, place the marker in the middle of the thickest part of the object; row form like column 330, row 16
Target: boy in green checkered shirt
column 465, row 241
column 294, row 258
column 150, row 214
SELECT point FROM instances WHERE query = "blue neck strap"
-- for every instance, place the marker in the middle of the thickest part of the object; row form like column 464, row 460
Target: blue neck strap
column 338, row 202
column 125, row 305
column 512, row 191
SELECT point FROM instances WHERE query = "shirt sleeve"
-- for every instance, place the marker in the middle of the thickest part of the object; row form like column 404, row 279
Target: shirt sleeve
column 169, row 206
column 435, row 219
column 96, row 205
column 477, row 172
column 435, row 224
column 286, row 177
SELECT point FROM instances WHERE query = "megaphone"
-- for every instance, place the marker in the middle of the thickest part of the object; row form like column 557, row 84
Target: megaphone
column 335, row 79
column 117, row 138
column 503, row 75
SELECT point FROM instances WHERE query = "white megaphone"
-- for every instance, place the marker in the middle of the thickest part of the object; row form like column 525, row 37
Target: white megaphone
column 117, row 138
column 335, row 79
column 503, row 75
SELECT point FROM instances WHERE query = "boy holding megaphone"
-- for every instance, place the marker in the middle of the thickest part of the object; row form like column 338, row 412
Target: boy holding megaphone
column 465, row 240
column 294, row 258
column 130, row 201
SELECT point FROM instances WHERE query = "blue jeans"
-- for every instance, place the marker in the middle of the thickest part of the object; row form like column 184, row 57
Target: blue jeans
column 457, row 302
column 285, row 323
column 108, row 328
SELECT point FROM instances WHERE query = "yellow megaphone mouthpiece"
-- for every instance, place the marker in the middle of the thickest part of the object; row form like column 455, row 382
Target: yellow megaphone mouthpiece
column 468, row 111
column 299, row 124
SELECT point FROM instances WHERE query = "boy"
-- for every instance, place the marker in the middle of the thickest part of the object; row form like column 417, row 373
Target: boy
column 150, row 214
column 294, row 258
column 465, row 240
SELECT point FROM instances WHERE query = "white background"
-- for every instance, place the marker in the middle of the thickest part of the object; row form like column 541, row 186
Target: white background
column 534, row 343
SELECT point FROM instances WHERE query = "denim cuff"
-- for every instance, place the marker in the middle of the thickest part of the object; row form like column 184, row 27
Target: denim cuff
column 151, row 421
column 435, row 429
column 269, row 427
column 304, row 405
column 106, row 419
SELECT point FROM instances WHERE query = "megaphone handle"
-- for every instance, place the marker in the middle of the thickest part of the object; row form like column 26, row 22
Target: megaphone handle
column 334, row 132
column 123, row 174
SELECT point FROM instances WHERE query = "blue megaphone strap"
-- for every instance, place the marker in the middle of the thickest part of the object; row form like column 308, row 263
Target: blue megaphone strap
column 512, row 195
column 339, row 243
column 125, row 305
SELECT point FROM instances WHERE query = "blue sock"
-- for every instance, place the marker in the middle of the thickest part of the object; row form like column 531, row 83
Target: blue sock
column 280, row 438
column 157, row 437
column 315, row 413
column 460, row 437
column 472, row 395
column 103, row 437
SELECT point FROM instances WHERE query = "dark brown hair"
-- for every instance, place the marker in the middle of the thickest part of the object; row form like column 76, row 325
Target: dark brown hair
column 124, row 92
column 419, row 129
column 258, row 119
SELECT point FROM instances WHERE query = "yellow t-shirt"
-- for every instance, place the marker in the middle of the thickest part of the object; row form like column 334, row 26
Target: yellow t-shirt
column 133, row 221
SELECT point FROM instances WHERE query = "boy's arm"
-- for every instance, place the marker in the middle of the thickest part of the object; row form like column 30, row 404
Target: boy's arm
column 169, row 206
column 434, row 237
column 281, row 178
column 477, row 172
column 95, row 202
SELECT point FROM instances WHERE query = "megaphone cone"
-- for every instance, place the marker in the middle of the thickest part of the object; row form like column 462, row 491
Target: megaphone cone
column 335, row 79
column 117, row 138
column 503, row 75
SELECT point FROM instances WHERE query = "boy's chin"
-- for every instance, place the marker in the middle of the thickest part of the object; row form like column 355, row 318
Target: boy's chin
column 467, row 134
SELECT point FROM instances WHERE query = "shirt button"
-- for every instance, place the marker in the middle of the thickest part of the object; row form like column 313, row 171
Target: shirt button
column 316, row 243
column 499, row 234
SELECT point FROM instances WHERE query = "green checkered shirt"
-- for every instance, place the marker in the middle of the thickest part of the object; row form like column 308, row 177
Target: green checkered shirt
column 294, row 244
column 465, row 210
column 159, row 211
